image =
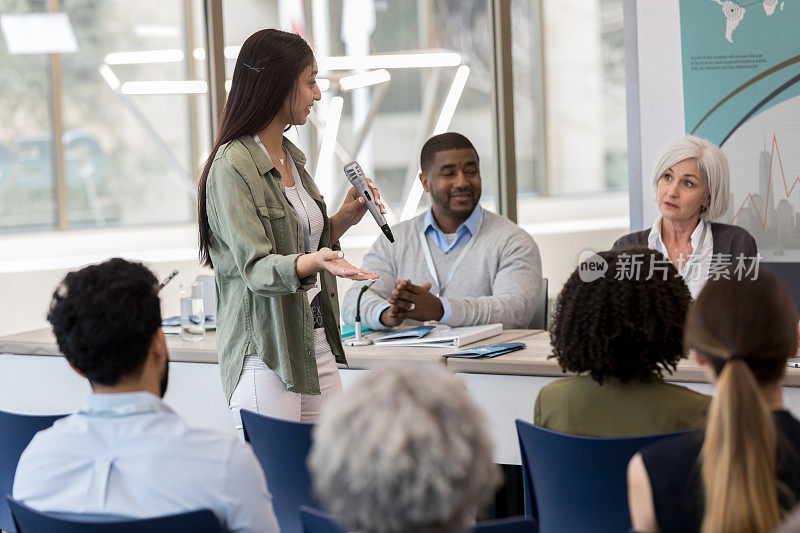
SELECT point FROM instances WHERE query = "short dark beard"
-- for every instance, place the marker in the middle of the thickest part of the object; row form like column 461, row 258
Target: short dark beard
column 443, row 201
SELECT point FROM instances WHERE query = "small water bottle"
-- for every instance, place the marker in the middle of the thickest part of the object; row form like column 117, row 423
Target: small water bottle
column 193, row 317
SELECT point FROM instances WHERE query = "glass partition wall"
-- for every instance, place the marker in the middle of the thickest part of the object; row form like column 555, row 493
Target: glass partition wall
column 128, row 101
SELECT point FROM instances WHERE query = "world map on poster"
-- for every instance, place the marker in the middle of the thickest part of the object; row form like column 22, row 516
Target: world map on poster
column 734, row 13
column 741, row 85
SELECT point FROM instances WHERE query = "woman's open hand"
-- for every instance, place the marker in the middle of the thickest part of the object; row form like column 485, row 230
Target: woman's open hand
column 333, row 261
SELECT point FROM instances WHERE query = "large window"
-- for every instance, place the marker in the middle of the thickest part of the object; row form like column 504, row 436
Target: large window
column 129, row 101
column 129, row 105
column 569, row 83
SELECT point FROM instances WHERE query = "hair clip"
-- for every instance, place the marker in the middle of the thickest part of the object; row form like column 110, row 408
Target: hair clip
column 257, row 69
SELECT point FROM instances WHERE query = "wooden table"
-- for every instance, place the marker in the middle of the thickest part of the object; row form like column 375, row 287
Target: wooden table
column 43, row 342
column 505, row 387
column 534, row 361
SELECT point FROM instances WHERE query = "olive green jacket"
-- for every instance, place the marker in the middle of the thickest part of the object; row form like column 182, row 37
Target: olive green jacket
column 256, row 238
column 581, row 406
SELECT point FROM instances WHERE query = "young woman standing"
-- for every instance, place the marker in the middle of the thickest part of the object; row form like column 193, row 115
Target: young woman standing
column 263, row 227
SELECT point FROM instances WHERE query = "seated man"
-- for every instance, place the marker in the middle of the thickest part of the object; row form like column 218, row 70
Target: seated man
column 457, row 263
column 126, row 454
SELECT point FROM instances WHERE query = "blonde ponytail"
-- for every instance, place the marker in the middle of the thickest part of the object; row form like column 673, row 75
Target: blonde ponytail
column 739, row 456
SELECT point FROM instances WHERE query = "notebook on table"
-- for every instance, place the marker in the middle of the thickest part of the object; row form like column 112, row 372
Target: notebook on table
column 442, row 337
column 487, row 350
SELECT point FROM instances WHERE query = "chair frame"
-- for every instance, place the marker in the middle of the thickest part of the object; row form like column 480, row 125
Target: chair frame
column 200, row 521
column 597, row 469
column 11, row 443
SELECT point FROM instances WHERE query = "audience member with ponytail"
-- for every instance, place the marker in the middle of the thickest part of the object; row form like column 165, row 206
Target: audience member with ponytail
column 742, row 472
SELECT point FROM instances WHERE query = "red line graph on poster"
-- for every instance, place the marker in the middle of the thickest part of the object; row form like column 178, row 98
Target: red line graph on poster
column 774, row 150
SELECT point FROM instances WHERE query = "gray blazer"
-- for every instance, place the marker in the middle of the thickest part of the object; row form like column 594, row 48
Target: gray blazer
column 728, row 239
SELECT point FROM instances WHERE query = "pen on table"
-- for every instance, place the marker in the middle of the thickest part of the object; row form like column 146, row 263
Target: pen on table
column 167, row 279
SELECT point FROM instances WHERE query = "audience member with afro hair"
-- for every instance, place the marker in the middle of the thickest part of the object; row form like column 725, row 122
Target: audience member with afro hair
column 620, row 333
column 109, row 308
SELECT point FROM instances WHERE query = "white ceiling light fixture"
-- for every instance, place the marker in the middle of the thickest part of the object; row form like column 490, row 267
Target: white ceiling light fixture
column 156, row 30
column 379, row 61
column 453, row 97
column 323, row 84
column 110, row 78
column 172, row 55
column 390, row 61
column 165, row 87
column 442, row 124
column 323, row 170
column 38, row 33
column 357, row 81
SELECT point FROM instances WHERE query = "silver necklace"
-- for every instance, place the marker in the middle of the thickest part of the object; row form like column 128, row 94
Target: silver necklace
column 271, row 153
column 281, row 159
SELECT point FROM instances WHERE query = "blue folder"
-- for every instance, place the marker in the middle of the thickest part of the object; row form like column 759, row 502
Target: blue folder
column 488, row 350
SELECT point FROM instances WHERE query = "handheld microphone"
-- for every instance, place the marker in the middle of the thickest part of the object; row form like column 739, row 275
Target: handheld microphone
column 355, row 175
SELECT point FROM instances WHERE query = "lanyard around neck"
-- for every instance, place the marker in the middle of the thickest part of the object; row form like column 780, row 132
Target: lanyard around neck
column 426, row 250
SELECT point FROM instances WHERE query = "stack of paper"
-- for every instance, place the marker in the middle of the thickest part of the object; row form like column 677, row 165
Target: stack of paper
column 441, row 338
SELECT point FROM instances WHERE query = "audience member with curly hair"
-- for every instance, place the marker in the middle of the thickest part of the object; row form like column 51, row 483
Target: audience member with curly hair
column 403, row 451
column 620, row 333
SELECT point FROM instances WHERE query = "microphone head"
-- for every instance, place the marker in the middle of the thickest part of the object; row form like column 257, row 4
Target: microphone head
column 353, row 171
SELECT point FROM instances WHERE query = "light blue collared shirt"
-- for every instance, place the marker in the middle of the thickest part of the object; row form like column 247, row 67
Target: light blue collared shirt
column 130, row 455
column 464, row 233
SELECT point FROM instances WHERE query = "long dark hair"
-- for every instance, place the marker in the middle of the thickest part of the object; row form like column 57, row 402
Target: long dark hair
column 265, row 75
column 746, row 330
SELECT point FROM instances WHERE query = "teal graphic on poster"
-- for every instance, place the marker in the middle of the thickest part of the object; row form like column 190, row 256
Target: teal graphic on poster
column 741, row 85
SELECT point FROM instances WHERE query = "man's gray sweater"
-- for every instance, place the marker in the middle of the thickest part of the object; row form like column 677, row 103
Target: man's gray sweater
column 499, row 281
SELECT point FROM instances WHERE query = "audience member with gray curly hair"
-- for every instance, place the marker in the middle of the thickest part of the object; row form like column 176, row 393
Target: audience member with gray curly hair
column 401, row 451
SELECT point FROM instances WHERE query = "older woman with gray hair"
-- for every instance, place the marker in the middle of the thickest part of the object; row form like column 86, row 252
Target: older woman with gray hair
column 691, row 180
column 402, row 451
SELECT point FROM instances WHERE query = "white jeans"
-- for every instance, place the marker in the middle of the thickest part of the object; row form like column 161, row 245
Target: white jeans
column 261, row 390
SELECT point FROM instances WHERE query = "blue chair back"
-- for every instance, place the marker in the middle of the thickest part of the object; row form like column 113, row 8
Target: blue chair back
column 16, row 431
column 31, row 521
column 576, row 483
column 516, row 524
column 316, row 521
column 282, row 447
